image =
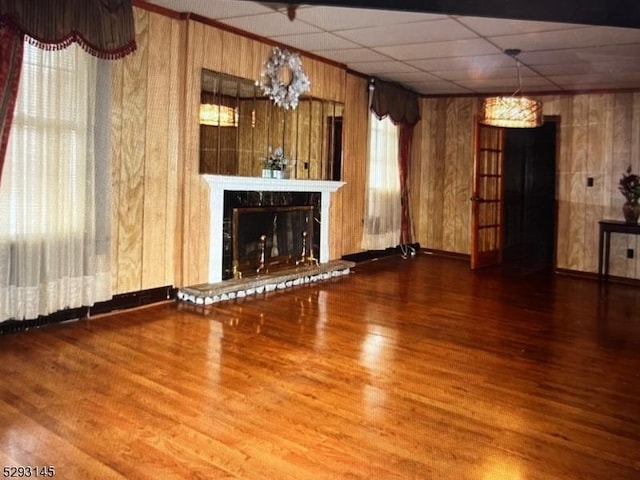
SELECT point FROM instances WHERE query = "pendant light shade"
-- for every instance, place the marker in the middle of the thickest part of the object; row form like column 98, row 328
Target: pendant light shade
column 514, row 111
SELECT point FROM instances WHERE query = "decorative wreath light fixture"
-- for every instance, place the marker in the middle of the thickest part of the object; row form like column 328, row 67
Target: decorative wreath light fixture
column 283, row 79
column 513, row 111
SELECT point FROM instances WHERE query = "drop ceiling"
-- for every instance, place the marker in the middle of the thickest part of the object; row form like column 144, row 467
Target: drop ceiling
column 439, row 54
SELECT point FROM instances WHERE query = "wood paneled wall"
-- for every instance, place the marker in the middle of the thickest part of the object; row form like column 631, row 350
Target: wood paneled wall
column 347, row 215
column 442, row 169
column 598, row 136
column 160, row 230
column 160, row 202
column 147, row 89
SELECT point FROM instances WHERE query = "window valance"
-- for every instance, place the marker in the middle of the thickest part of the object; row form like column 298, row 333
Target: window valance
column 397, row 102
column 104, row 28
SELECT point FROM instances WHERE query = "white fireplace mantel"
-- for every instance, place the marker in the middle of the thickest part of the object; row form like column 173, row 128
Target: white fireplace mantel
column 218, row 184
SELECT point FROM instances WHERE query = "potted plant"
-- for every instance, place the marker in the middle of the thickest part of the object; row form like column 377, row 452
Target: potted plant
column 274, row 166
column 629, row 186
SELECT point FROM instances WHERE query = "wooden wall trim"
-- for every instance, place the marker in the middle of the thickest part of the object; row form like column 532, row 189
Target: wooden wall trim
column 152, row 7
column 443, row 253
column 126, row 301
column 594, row 276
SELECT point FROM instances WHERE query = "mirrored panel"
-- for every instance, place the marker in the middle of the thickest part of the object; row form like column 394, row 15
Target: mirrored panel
column 240, row 128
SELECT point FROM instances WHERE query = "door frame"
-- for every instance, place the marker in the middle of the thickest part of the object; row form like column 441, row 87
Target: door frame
column 556, row 119
column 487, row 190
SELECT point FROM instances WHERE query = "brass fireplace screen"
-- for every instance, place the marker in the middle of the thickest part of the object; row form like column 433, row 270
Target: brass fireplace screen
column 268, row 239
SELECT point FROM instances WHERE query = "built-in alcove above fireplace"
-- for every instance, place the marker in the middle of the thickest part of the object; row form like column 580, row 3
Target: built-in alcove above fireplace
column 300, row 206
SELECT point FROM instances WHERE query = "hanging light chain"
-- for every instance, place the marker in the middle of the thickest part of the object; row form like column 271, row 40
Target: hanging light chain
column 514, row 111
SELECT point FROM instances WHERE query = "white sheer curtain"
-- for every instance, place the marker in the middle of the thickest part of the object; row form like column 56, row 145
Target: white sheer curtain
column 382, row 205
column 54, row 195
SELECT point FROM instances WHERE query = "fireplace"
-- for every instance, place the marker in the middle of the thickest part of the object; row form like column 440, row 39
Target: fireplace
column 286, row 220
column 301, row 212
column 270, row 239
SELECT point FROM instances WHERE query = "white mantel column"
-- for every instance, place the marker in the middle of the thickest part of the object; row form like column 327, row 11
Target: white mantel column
column 218, row 184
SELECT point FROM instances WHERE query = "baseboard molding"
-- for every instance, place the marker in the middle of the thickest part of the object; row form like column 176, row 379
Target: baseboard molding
column 594, row 277
column 134, row 299
column 443, row 253
column 369, row 255
column 118, row 302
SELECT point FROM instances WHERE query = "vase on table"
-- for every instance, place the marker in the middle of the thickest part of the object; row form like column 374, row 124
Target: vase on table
column 631, row 212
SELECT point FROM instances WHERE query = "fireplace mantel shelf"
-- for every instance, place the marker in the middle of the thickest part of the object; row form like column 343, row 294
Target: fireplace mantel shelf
column 231, row 182
column 218, row 184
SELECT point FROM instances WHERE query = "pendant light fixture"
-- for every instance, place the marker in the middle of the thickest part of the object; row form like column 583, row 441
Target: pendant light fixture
column 512, row 111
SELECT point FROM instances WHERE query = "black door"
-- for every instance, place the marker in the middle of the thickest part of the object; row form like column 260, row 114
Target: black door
column 529, row 196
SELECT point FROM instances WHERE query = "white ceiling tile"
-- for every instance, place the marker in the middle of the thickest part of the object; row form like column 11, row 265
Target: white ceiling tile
column 571, row 38
column 416, row 49
column 629, row 53
column 342, row 18
column 414, row 77
column 506, row 85
column 613, row 36
column 626, row 77
column 270, row 24
column 315, row 42
column 439, row 49
column 565, row 69
column 496, row 60
column 376, row 68
column 490, row 27
column 482, row 73
column 537, row 83
column 408, row 33
column 616, row 67
column 609, row 84
column 623, row 53
column 547, row 57
column 350, row 55
column 437, row 88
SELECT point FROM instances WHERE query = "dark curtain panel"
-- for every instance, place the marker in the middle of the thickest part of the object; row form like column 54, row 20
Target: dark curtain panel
column 11, row 48
column 104, row 28
column 402, row 106
column 406, row 229
column 397, row 102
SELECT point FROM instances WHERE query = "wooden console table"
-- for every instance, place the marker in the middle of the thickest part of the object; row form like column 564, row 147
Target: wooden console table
column 607, row 227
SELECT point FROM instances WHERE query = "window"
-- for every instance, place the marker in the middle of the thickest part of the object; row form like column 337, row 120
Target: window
column 54, row 189
column 382, row 206
column 49, row 136
column 383, row 155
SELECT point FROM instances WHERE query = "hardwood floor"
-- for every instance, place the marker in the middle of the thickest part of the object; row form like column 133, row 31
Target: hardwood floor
column 413, row 368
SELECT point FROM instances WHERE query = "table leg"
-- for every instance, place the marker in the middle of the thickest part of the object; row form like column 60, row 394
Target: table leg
column 607, row 245
column 600, row 252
